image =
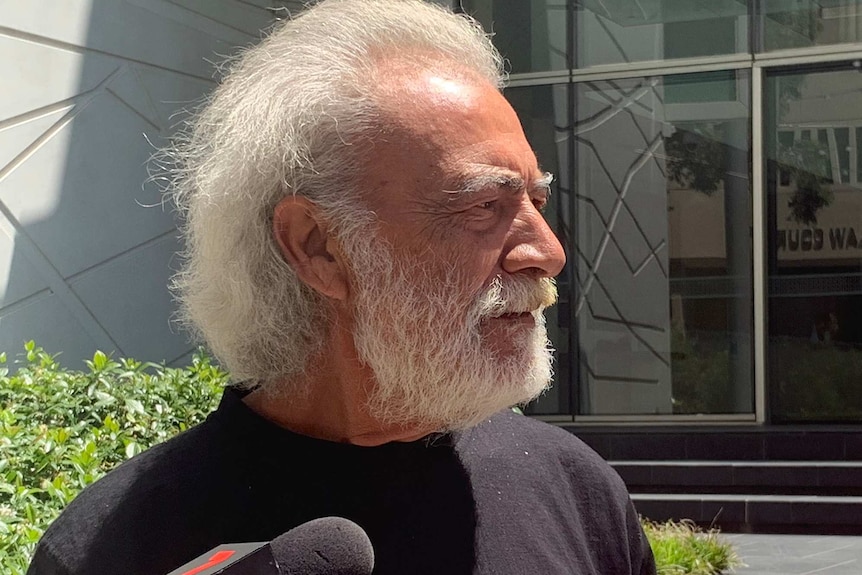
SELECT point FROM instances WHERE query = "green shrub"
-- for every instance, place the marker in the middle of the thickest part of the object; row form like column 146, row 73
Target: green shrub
column 60, row 430
column 701, row 372
column 684, row 549
column 808, row 381
column 815, row 381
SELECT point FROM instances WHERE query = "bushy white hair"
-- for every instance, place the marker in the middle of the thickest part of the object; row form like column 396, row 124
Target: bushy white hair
column 289, row 118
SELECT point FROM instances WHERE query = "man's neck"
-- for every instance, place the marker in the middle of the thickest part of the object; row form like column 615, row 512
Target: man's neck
column 334, row 405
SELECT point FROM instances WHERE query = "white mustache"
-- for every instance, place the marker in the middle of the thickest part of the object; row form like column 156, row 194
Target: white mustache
column 515, row 295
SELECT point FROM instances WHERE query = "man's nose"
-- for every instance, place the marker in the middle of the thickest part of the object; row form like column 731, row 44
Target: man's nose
column 532, row 247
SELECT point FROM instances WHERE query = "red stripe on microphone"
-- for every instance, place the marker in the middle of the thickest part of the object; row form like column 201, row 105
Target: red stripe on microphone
column 217, row 558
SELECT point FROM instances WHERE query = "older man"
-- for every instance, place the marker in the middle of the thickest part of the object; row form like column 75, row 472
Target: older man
column 368, row 257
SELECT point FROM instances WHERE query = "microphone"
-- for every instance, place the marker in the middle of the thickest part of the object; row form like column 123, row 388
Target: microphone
column 325, row 546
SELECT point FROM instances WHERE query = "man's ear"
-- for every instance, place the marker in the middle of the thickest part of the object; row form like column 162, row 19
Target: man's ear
column 304, row 240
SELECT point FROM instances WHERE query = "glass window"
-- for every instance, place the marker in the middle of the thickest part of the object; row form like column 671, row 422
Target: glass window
column 661, row 252
column 802, row 23
column 544, row 114
column 623, row 31
column 531, row 35
column 814, row 116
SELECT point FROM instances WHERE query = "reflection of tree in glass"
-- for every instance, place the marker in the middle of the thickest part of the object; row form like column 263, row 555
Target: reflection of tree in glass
column 791, row 26
column 807, row 163
column 696, row 156
column 789, row 90
column 697, row 159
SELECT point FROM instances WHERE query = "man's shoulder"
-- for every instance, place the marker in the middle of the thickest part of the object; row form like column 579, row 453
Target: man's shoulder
column 508, row 431
column 534, row 451
column 161, row 467
column 114, row 515
column 539, row 486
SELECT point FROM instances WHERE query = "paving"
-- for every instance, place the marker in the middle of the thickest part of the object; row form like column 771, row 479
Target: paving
column 797, row 554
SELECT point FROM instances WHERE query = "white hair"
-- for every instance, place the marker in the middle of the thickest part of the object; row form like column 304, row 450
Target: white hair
column 288, row 119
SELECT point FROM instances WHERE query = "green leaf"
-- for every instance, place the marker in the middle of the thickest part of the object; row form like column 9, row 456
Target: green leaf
column 100, row 361
column 135, row 406
column 110, row 424
column 104, row 397
column 132, row 449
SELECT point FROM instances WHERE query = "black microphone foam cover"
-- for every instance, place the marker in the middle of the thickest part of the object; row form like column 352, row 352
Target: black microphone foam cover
column 325, row 546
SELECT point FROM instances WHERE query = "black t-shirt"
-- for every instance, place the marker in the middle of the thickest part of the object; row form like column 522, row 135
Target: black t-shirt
column 509, row 496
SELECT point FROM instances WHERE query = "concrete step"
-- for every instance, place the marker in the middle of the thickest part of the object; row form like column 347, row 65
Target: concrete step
column 828, row 478
column 756, row 513
column 754, row 443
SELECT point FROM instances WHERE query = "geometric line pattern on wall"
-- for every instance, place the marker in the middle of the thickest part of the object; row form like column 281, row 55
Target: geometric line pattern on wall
column 611, row 36
column 616, row 106
column 634, row 268
column 56, row 282
column 23, row 240
column 80, row 102
column 616, row 378
column 623, row 190
column 135, row 111
column 621, row 319
column 53, row 207
column 621, row 251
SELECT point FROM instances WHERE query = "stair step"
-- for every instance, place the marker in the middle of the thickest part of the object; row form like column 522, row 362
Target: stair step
column 755, row 512
column 708, row 462
column 754, row 443
column 801, row 477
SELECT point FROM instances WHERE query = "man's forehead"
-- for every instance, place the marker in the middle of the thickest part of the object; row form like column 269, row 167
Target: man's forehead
column 447, row 91
column 427, row 100
column 485, row 157
column 432, row 76
column 438, row 123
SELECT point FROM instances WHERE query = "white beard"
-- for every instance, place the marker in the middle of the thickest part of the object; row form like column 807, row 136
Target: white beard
column 423, row 339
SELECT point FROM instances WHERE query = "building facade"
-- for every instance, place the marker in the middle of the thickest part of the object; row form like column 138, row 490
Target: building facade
column 708, row 157
column 709, row 195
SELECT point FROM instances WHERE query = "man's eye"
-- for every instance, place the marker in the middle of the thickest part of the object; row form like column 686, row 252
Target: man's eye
column 487, row 205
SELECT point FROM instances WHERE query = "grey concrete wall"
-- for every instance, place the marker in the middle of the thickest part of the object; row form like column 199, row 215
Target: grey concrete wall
column 89, row 87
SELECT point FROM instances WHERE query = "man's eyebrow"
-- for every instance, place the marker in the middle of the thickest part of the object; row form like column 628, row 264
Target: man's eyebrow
column 544, row 183
column 484, row 177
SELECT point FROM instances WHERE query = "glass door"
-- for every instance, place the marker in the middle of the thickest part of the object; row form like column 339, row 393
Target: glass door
column 813, row 154
column 662, row 255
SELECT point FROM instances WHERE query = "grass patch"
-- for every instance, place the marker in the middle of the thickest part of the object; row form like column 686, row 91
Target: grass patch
column 682, row 548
